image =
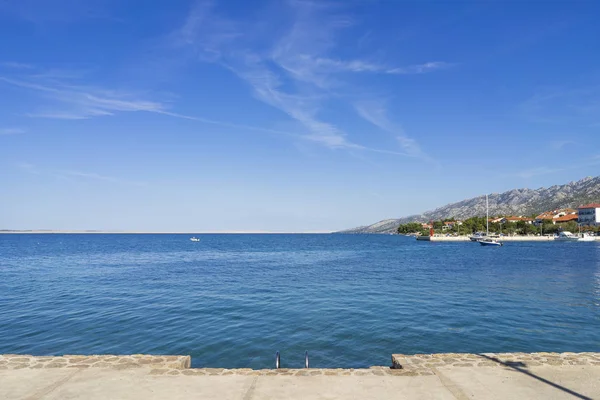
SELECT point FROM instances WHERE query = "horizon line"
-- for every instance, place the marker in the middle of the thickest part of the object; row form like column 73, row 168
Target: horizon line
column 95, row 231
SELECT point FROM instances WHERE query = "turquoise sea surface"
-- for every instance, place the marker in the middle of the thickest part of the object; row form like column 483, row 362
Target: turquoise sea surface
column 350, row 300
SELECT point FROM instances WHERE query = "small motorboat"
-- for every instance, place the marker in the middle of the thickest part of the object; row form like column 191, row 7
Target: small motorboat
column 584, row 237
column 489, row 242
column 476, row 237
column 194, row 239
column 566, row 236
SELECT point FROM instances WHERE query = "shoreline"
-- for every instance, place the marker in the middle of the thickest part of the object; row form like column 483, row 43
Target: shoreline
column 500, row 239
column 401, row 364
column 448, row 376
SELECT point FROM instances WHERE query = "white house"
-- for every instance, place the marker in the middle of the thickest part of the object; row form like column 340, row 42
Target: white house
column 516, row 219
column 589, row 215
column 451, row 224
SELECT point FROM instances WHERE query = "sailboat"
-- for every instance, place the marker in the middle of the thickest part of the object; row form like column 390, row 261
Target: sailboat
column 487, row 241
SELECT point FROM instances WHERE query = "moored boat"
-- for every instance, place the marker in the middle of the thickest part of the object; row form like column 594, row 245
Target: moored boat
column 476, row 237
column 566, row 236
column 584, row 237
column 489, row 242
column 486, row 240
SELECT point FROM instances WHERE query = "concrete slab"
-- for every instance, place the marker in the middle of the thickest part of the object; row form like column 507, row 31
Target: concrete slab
column 101, row 384
column 349, row 387
column 31, row 383
column 446, row 382
column 546, row 382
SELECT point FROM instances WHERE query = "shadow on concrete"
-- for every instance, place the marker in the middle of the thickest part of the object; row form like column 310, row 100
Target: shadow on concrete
column 521, row 367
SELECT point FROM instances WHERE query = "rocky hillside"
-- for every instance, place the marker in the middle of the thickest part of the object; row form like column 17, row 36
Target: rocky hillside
column 513, row 202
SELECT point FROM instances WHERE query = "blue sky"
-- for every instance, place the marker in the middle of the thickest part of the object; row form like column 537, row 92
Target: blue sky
column 290, row 116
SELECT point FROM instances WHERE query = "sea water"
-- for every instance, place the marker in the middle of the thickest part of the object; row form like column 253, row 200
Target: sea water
column 350, row 300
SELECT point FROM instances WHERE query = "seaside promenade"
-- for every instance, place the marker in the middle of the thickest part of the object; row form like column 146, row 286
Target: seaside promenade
column 435, row 376
column 462, row 238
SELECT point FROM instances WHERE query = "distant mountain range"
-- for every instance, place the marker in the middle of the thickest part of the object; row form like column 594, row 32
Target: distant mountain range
column 513, row 202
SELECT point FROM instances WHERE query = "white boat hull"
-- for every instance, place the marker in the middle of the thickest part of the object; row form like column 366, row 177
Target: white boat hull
column 569, row 237
column 564, row 239
column 587, row 239
column 489, row 243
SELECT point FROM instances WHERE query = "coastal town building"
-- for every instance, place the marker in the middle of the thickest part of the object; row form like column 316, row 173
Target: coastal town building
column 554, row 215
column 451, row 224
column 589, row 214
column 567, row 218
column 516, row 219
column 510, row 219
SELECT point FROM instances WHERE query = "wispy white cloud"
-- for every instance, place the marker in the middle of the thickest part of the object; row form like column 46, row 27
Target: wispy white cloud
column 77, row 102
column 537, row 171
column 578, row 105
column 295, row 73
column 376, row 113
column 50, row 114
column 328, row 65
column 267, row 88
column 15, row 65
column 561, row 144
column 206, row 31
column 81, row 102
column 11, row 131
column 304, row 52
column 592, row 161
column 73, row 174
column 212, row 39
column 94, row 176
column 421, row 68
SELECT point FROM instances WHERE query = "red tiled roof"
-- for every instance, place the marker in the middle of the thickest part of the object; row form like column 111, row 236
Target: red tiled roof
column 551, row 214
column 546, row 215
column 593, row 205
column 517, row 219
column 566, row 218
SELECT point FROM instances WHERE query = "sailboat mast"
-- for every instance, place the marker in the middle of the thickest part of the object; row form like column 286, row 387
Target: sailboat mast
column 487, row 216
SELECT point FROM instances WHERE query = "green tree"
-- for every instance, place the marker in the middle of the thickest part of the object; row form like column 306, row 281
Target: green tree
column 411, row 227
column 530, row 229
column 548, row 227
column 510, row 228
column 570, row 226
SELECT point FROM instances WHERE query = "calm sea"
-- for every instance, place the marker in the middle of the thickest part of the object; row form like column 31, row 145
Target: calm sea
column 350, row 300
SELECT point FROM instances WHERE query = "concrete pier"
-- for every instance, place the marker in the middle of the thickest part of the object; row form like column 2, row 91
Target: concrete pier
column 429, row 376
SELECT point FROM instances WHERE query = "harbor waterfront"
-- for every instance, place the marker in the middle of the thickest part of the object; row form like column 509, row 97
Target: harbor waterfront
column 232, row 301
column 439, row 376
column 401, row 364
column 462, row 238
